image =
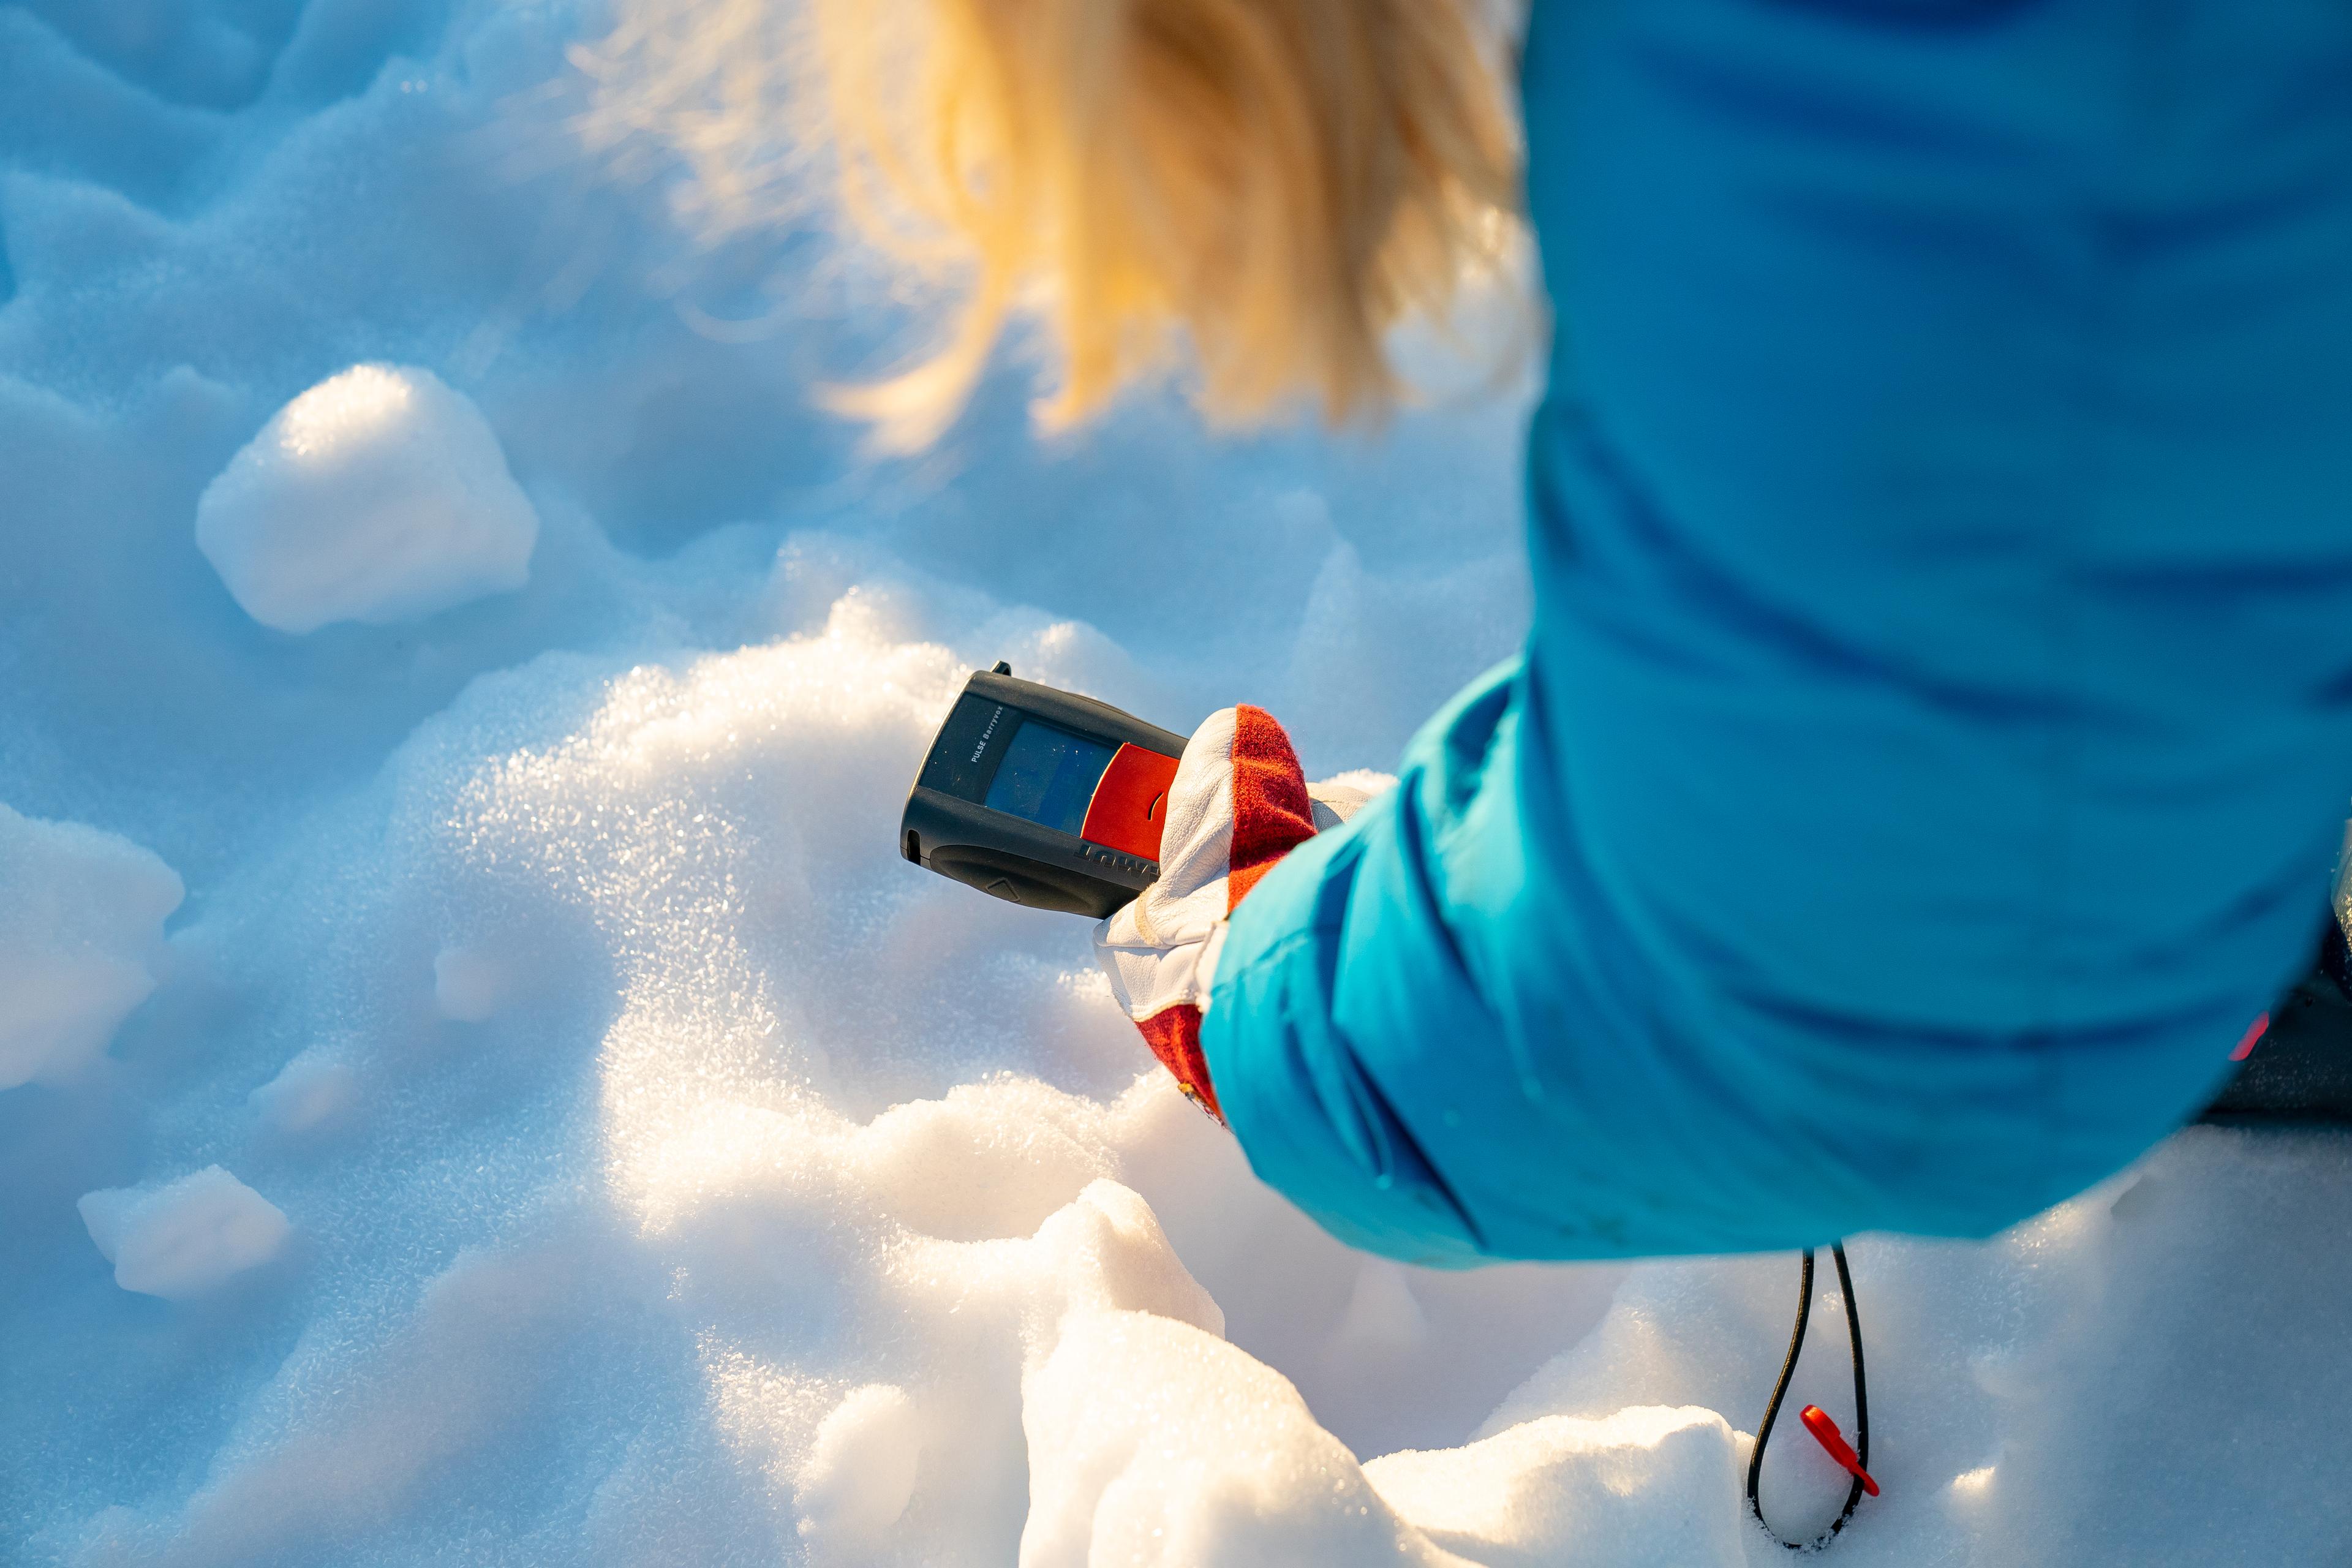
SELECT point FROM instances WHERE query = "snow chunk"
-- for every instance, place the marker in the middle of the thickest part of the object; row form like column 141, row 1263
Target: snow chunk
column 1648, row 1484
column 380, row 495
column 81, row 940
column 184, row 1237
column 309, row 1093
column 860, row 1472
column 1155, row 1444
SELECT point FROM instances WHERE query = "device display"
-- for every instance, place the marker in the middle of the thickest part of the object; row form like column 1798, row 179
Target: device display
column 1049, row 775
column 1042, row 797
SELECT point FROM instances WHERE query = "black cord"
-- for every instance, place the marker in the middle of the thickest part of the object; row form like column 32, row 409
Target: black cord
column 1780, row 1390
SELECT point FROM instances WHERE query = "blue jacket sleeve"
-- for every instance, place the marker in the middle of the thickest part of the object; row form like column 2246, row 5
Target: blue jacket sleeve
column 1937, row 723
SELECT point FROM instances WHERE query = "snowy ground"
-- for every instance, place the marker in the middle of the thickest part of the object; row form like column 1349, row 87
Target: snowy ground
column 477, row 1084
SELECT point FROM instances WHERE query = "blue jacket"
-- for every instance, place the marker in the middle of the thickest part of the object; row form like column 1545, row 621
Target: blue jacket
column 1937, row 728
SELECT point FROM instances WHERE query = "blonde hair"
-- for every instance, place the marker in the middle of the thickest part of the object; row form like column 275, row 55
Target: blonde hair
column 1283, row 180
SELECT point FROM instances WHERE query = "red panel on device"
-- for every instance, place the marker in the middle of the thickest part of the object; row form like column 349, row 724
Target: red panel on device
column 1130, row 803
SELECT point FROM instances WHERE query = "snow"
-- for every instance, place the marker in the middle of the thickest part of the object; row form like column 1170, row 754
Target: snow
column 468, row 986
column 859, row 1474
column 557, row 1127
column 82, row 941
column 186, row 1236
column 380, row 495
column 311, row 1091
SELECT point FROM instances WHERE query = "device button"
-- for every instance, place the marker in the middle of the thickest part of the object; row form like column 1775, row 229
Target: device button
column 1130, row 804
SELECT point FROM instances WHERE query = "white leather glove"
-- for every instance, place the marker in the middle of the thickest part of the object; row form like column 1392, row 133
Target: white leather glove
column 1239, row 803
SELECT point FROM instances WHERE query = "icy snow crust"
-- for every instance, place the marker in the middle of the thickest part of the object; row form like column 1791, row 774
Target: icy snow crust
column 559, row 1129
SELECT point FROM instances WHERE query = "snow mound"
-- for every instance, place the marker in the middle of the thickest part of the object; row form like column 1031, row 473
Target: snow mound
column 82, row 941
column 380, row 495
column 185, row 1237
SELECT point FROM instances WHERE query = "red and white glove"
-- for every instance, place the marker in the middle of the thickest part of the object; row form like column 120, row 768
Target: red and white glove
column 1239, row 803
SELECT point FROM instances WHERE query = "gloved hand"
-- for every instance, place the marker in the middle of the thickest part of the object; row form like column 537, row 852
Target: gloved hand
column 1240, row 802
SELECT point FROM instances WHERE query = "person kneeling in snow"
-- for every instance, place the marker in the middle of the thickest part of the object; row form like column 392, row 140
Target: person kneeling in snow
column 1935, row 726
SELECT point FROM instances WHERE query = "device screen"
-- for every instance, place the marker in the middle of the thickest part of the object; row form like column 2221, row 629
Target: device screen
column 1048, row 777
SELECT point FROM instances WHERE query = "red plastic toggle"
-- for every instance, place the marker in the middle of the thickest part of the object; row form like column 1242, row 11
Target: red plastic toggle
column 2251, row 1037
column 1825, row 1432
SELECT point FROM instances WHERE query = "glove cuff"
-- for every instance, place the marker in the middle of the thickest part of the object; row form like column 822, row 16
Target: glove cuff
column 1174, row 1036
column 1273, row 814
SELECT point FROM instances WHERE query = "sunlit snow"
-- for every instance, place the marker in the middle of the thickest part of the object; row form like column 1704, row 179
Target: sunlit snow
column 558, row 1128
column 379, row 495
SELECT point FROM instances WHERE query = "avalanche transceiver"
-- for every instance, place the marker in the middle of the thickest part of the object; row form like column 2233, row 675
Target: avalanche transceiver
column 1042, row 797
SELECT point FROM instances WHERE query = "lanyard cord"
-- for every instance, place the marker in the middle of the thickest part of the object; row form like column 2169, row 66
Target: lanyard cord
column 1781, row 1389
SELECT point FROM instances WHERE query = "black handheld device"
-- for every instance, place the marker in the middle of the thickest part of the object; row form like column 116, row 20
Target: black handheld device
column 1042, row 797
